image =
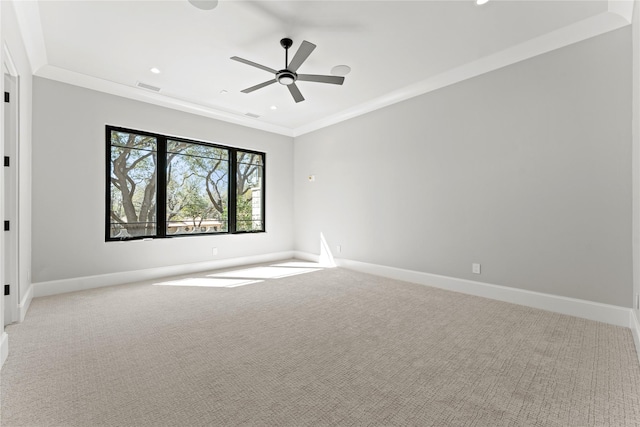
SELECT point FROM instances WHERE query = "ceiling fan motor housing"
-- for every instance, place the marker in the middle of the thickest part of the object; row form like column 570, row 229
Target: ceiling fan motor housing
column 286, row 43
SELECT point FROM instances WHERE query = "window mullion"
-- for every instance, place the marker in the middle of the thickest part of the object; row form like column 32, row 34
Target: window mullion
column 161, row 188
column 264, row 192
column 233, row 192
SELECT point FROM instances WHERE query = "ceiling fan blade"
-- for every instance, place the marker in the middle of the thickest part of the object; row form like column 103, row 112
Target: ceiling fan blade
column 295, row 92
column 301, row 55
column 335, row 80
column 253, row 64
column 259, row 86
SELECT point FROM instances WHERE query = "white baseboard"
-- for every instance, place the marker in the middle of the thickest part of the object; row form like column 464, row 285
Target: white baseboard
column 614, row 315
column 4, row 347
column 23, row 307
column 306, row 256
column 55, row 287
column 634, row 324
column 611, row 314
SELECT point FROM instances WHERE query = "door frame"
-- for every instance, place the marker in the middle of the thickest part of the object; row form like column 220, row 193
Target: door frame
column 10, row 189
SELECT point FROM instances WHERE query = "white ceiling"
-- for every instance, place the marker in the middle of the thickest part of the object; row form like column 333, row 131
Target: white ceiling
column 396, row 49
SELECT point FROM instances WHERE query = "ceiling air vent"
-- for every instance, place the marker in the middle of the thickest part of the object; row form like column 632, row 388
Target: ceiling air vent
column 148, row 87
column 252, row 115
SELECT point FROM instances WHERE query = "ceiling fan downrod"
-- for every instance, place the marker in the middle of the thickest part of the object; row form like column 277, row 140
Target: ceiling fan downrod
column 286, row 43
column 286, row 77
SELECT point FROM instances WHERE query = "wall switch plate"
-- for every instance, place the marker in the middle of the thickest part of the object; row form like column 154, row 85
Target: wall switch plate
column 339, row 248
column 637, row 301
column 475, row 268
column 214, row 251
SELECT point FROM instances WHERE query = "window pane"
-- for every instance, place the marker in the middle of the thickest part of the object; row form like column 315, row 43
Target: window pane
column 133, row 185
column 197, row 188
column 249, row 192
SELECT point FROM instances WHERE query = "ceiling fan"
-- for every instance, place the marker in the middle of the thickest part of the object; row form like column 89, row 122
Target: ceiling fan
column 288, row 75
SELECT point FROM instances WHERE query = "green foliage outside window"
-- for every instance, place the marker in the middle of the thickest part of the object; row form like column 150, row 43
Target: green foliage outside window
column 196, row 194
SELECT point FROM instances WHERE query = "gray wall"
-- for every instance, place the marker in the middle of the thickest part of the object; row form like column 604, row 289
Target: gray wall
column 526, row 170
column 69, row 185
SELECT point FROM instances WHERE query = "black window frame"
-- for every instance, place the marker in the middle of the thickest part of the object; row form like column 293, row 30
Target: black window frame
column 161, row 184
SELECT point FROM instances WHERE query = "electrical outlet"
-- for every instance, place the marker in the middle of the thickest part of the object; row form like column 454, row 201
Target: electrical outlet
column 214, row 251
column 475, row 268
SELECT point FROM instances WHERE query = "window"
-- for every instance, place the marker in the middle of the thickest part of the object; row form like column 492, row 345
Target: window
column 249, row 191
column 133, row 185
column 160, row 186
column 197, row 188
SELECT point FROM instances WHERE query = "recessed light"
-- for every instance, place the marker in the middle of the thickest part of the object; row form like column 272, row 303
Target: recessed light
column 204, row 4
column 155, row 70
column 481, row 2
column 274, row 107
column 340, row 70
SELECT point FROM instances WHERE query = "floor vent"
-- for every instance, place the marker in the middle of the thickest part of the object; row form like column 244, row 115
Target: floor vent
column 148, row 87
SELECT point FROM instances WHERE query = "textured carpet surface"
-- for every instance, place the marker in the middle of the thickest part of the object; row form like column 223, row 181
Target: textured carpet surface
column 326, row 347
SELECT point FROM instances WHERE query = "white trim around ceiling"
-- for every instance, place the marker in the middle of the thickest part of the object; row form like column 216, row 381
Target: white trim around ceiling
column 28, row 16
column 624, row 8
column 106, row 86
column 618, row 15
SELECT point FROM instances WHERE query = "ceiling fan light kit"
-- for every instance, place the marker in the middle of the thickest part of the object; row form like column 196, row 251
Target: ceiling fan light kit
column 285, row 77
column 288, row 76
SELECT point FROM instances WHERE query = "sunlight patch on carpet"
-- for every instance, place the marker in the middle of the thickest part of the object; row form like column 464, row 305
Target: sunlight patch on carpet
column 244, row 276
column 264, row 272
column 209, row 282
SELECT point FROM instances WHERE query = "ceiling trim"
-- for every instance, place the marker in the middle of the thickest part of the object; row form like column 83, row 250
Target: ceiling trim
column 28, row 17
column 106, row 86
column 619, row 14
column 8, row 62
column 624, row 8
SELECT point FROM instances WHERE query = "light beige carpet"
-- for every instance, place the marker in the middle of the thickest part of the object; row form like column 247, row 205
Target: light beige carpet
column 328, row 347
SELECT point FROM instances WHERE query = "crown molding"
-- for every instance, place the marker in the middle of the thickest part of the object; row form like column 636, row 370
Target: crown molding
column 28, row 17
column 622, row 8
column 619, row 14
column 138, row 94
